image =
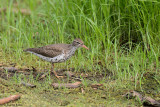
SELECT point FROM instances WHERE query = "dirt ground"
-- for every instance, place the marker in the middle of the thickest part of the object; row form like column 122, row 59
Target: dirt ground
column 95, row 90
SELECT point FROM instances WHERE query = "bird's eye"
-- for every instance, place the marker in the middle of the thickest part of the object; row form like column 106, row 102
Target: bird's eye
column 77, row 42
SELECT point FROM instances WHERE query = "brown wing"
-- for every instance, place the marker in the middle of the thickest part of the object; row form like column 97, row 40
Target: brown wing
column 49, row 50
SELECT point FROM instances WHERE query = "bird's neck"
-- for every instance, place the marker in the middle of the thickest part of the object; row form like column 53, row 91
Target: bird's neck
column 72, row 49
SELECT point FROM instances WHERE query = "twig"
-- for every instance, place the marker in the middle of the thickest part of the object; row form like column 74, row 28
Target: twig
column 96, row 86
column 69, row 74
column 144, row 99
column 9, row 99
column 67, row 85
column 28, row 84
column 10, row 69
column 42, row 76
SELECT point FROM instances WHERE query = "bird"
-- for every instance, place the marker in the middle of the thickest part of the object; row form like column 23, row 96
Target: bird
column 57, row 53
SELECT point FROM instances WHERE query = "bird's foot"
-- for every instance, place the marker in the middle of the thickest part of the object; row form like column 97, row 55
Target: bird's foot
column 57, row 75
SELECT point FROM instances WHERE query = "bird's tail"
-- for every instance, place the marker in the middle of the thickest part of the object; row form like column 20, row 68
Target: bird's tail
column 29, row 49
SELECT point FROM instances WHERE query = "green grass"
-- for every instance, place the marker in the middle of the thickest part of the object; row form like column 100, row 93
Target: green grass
column 123, row 35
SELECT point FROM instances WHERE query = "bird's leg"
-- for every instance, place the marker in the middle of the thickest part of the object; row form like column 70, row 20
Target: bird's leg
column 52, row 70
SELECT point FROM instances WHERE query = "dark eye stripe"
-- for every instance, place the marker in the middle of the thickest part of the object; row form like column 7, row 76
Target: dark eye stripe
column 77, row 42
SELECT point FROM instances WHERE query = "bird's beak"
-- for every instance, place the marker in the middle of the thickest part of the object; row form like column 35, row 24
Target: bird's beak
column 85, row 47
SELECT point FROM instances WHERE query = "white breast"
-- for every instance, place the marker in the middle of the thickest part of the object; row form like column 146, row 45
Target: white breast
column 59, row 58
column 70, row 53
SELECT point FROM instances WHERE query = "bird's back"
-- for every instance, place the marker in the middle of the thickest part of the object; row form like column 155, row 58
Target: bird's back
column 49, row 50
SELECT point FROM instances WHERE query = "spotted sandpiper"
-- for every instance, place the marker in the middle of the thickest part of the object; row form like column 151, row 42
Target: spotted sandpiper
column 57, row 53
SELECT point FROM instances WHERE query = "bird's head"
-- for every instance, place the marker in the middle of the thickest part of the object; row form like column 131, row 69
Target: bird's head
column 79, row 43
